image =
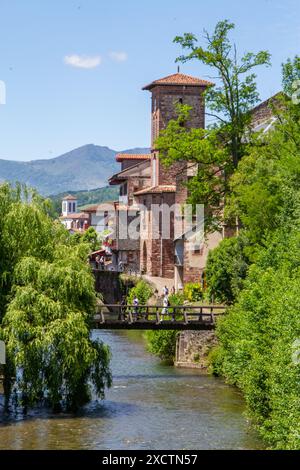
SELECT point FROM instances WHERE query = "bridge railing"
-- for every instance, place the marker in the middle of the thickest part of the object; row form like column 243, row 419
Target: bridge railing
column 159, row 313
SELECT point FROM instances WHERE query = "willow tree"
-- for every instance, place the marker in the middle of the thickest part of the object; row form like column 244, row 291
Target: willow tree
column 47, row 305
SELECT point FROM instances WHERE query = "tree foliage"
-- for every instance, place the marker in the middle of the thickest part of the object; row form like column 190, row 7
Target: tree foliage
column 259, row 338
column 162, row 343
column 215, row 152
column 236, row 92
column 47, row 305
column 226, row 269
column 142, row 290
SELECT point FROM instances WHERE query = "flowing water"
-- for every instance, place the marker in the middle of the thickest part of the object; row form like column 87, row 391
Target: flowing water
column 150, row 406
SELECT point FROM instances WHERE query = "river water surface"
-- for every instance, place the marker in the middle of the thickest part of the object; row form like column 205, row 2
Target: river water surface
column 150, row 406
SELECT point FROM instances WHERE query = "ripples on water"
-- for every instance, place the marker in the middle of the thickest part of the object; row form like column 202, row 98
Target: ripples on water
column 150, row 406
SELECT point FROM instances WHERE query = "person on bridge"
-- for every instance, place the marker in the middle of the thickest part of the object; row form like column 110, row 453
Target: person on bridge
column 122, row 311
column 136, row 307
column 97, row 261
column 102, row 263
column 165, row 310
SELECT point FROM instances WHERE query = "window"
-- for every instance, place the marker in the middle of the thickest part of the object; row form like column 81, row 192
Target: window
column 70, row 207
column 74, row 207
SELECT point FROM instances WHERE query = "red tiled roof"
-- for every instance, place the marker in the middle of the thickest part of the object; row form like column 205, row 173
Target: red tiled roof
column 178, row 79
column 104, row 206
column 79, row 215
column 132, row 156
column 69, row 198
column 163, row 188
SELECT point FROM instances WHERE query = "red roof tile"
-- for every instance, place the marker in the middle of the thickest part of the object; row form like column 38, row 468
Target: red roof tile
column 178, row 79
column 79, row 215
column 69, row 198
column 163, row 188
column 132, row 156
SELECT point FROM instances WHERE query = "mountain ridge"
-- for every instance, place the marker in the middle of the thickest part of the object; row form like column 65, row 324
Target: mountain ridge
column 84, row 168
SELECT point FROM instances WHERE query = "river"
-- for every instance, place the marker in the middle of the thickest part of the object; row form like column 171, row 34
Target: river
column 150, row 406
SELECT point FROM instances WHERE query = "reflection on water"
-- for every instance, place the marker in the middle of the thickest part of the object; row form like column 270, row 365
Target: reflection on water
column 150, row 406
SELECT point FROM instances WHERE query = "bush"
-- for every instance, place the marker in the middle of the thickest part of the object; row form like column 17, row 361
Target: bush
column 226, row 269
column 162, row 343
column 193, row 292
column 258, row 339
column 142, row 290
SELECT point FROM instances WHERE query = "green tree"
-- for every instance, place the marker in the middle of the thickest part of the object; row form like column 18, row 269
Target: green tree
column 259, row 342
column 90, row 236
column 290, row 76
column 142, row 290
column 217, row 151
column 236, row 93
column 226, row 269
column 47, row 306
column 259, row 338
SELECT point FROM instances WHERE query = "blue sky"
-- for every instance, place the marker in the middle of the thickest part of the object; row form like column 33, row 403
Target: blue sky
column 74, row 69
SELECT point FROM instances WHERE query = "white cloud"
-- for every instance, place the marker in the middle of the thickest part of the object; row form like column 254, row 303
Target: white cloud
column 83, row 61
column 118, row 56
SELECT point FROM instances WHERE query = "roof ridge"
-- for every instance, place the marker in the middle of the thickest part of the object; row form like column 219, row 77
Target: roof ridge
column 178, row 79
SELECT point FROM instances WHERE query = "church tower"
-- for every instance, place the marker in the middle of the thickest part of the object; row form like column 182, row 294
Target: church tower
column 166, row 93
column 165, row 188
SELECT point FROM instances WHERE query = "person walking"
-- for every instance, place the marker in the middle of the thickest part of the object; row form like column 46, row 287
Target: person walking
column 136, row 307
column 122, row 311
column 102, row 262
column 165, row 291
column 165, row 307
column 97, row 261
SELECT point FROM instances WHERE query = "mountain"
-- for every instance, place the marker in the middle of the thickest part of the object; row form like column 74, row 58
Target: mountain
column 84, row 168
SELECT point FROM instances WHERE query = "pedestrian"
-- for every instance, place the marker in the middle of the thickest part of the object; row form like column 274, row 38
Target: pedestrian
column 165, row 307
column 97, row 261
column 120, row 266
column 165, row 291
column 136, row 307
column 122, row 311
column 173, row 291
column 102, row 262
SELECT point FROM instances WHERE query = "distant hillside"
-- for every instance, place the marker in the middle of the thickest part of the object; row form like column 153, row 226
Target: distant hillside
column 94, row 196
column 84, row 168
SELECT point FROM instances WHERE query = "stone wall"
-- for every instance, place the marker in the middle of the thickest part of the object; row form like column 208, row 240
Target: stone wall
column 108, row 283
column 193, row 347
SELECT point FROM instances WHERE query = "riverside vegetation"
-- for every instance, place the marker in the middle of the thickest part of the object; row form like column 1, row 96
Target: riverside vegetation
column 257, row 272
column 47, row 302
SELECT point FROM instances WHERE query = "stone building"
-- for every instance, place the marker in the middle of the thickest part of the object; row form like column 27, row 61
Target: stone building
column 73, row 221
column 145, row 184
